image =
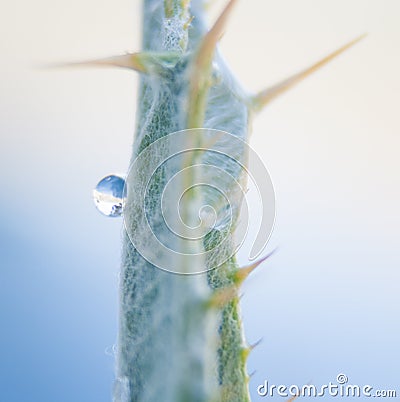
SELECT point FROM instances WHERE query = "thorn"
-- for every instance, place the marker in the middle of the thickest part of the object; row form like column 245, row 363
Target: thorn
column 206, row 51
column 245, row 352
column 255, row 344
column 145, row 62
column 252, row 374
column 242, row 273
column 200, row 79
column 264, row 97
column 131, row 61
column 221, row 297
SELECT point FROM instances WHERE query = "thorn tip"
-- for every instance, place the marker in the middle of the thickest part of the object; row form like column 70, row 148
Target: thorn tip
column 266, row 96
column 243, row 273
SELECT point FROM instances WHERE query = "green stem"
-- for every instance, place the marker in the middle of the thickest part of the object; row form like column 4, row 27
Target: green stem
column 170, row 347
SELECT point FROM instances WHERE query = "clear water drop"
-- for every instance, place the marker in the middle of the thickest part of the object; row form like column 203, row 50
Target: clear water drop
column 109, row 195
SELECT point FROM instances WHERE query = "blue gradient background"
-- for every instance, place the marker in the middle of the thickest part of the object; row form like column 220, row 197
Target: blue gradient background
column 327, row 302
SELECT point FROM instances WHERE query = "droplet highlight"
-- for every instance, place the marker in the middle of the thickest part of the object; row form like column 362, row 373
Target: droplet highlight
column 109, row 195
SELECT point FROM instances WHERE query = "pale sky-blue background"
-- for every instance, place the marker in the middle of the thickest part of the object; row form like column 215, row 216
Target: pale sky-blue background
column 327, row 302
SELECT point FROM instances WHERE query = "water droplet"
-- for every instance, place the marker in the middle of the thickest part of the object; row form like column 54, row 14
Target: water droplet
column 109, row 195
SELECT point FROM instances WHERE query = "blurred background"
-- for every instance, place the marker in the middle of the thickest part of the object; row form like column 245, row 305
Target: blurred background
column 327, row 303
